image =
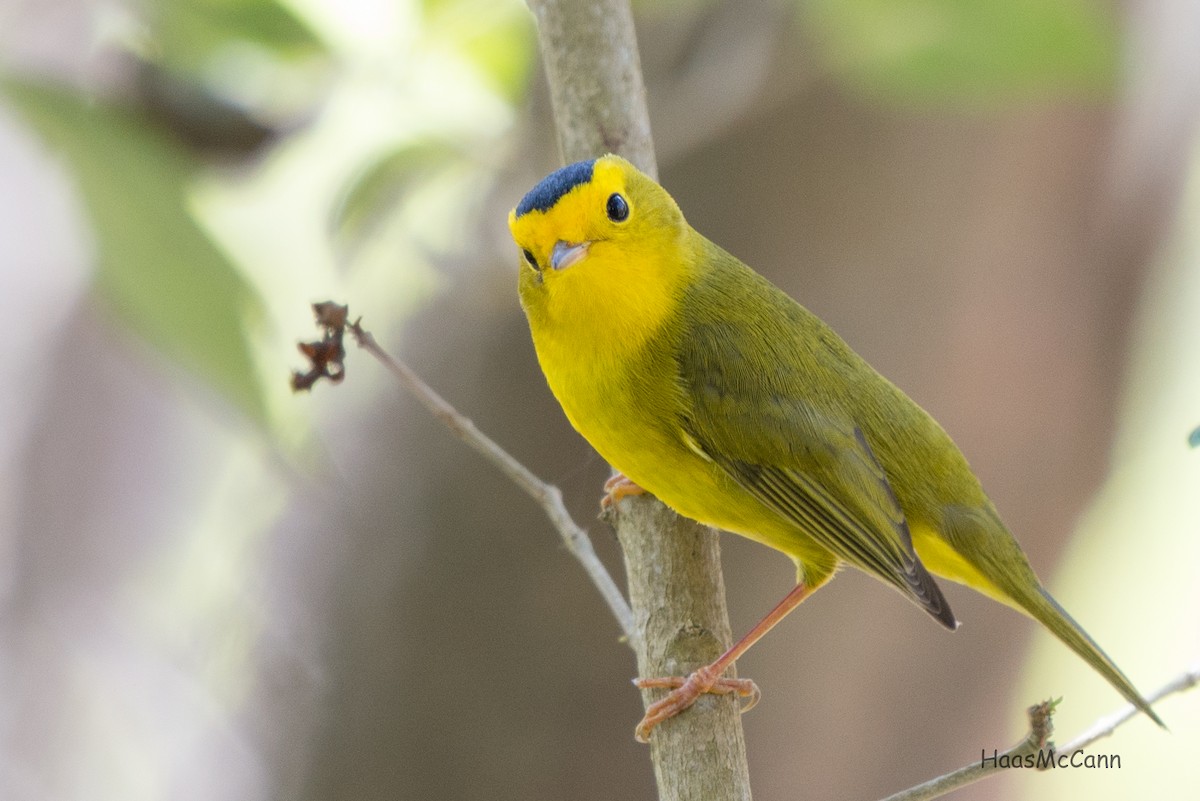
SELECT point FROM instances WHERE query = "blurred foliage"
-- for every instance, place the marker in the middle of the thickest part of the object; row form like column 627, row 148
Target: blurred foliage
column 198, row 117
column 965, row 51
column 497, row 42
column 188, row 33
column 382, row 184
column 135, row 161
column 219, row 66
column 212, row 73
column 233, row 79
column 157, row 269
column 497, row 38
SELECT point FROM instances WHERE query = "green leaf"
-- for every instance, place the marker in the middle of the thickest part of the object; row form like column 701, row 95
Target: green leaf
column 497, row 38
column 966, row 51
column 379, row 187
column 189, row 32
column 158, row 270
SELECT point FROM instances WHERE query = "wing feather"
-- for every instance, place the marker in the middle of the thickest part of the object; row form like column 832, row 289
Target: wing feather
column 803, row 458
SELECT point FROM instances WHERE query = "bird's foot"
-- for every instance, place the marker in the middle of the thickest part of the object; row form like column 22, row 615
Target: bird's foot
column 685, row 691
column 617, row 488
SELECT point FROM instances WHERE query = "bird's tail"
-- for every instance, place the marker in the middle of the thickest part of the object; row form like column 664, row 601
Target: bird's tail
column 1041, row 606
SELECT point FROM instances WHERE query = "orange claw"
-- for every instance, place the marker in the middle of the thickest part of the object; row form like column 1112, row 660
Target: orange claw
column 617, row 488
column 708, row 678
column 686, row 691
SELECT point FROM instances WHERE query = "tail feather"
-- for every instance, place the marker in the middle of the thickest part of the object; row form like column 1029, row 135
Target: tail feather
column 1047, row 611
column 985, row 556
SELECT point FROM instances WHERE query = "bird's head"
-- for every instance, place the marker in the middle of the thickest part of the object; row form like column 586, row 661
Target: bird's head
column 601, row 244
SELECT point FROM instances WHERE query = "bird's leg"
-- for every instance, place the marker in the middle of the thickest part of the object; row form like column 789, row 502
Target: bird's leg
column 617, row 488
column 708, row 678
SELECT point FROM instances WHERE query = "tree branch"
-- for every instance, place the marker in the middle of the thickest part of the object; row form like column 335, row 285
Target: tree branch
column 1039, row 733
column 1104, row 727
column 547, row 496
column 591, row 58
column 326, row 359
column 673, row 565
column 1037, row 739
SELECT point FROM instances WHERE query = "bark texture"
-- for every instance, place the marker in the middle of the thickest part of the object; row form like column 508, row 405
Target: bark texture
column 673, row 565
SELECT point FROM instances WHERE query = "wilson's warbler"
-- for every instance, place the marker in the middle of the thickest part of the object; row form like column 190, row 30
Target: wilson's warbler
column 704, row 384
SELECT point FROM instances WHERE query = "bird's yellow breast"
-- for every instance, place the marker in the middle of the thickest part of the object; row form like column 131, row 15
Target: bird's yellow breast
column 617, row 394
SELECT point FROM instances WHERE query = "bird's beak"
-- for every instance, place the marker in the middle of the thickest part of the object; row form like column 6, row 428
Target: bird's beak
column 565, row 254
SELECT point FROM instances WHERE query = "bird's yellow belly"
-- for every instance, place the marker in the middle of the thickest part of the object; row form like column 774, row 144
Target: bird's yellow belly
column 608, row 414
column 937, row 555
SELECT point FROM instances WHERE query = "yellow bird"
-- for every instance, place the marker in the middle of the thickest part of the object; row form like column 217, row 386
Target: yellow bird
column 705, row 385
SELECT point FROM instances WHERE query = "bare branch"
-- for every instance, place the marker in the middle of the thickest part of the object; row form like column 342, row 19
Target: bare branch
column 1040, row 727
column 595, row 76
column 547, row 496
column 1040, row 718
column 326, row 358
column 1104, row 727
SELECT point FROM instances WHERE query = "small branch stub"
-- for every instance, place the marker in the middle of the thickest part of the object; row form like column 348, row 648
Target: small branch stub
column 326, row 355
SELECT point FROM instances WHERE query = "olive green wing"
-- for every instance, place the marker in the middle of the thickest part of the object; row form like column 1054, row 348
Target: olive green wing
column 779, row 430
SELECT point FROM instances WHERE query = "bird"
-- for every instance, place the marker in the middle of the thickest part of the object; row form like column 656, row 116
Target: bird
column 708, row 387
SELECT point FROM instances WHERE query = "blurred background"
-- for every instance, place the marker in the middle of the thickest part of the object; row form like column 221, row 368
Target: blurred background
column 211, row 588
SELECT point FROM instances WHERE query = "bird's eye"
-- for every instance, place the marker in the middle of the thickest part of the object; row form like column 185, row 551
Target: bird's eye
column 617, row 208
column 530, row 259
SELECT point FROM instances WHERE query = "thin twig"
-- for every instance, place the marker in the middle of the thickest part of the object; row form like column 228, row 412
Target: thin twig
column 547, row 496
column 1104, row 727
column 1040, row 727
column 982, row 768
